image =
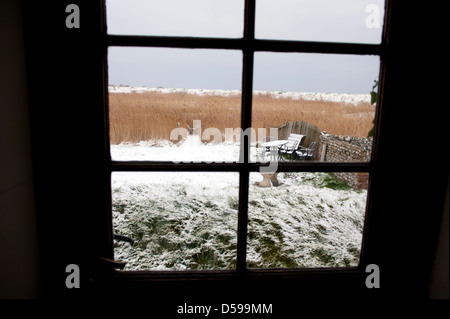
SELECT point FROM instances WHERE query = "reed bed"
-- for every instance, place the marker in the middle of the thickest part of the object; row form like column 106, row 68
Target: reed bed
column 145, row 116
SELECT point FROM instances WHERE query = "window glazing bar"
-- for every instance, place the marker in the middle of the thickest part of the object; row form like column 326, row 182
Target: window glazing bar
column 307, row 166
column 243, row 44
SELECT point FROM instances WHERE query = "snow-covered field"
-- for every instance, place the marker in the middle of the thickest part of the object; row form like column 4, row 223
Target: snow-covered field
column 188, row 220
column 189, row 150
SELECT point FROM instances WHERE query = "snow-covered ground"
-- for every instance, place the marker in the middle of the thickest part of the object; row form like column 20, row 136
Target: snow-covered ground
column 189, row 150
column 188, row 220
column 310, row 96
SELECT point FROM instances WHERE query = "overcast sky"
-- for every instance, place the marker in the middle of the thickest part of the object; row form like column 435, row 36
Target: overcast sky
column 312, row 20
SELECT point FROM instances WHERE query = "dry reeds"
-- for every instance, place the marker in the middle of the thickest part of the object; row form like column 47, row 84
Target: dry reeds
column 333, row 117
column 135, row 117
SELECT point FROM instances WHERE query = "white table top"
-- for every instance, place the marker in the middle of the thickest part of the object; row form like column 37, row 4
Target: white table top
column 274, row 143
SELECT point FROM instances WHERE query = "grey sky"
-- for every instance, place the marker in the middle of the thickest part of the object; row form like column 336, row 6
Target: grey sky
column 312, row 20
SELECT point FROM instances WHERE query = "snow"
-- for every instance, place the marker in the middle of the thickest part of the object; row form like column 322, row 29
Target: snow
column 190, row 150
column 188, row 220
column 175, row 218
column 201, row 92
column 317, row 227
column 310, row 96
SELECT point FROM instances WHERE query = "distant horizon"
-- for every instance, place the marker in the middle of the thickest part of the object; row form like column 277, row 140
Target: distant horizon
column 122, row 85
column 350, row 98
column 222, row 69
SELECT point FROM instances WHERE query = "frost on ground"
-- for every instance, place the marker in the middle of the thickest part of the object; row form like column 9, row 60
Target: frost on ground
column 311, row 220
column 188, row 220
column 178, row 220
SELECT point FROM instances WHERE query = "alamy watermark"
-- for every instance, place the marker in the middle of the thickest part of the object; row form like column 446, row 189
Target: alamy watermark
column 73, row 19
column 373, row 19
column 373, row 279
column 73, row 279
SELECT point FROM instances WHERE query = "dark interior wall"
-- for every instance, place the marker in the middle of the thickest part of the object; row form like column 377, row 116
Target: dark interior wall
column 19, row 276
column 408, row 208
column 65, row 91
column 439, row 278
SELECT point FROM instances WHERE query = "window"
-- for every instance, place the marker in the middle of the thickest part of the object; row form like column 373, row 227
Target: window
column 255, row 235
column 75, row 223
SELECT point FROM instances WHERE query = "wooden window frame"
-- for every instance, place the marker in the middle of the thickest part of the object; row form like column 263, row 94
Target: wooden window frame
column 67, row 96
column 248, row 45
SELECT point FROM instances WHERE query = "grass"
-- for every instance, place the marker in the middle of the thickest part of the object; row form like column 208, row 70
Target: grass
column 332, row 182
column 147, row 116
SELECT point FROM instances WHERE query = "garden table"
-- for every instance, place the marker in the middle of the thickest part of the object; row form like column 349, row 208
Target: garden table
column 274, row 147
column 276, row 143
column 272, row 177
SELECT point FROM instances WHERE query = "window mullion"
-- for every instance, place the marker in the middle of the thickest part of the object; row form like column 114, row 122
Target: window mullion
column 241, row 257
column 244, row 43
column 249, row 22
column 246, row 122
column 310, row 166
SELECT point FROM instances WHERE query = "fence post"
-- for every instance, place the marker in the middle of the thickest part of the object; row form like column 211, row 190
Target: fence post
column 324, row 152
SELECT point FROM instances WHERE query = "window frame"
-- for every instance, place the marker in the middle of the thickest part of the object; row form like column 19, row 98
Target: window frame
column 248, row 45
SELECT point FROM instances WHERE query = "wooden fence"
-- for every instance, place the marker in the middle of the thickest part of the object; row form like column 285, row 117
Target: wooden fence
column 312, row 132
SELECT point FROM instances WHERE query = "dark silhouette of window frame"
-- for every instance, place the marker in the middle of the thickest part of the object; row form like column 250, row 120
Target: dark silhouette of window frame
column 248, row 45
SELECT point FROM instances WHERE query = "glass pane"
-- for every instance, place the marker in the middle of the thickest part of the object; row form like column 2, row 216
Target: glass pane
column 324, row 98
column 174, row 104
column 178, row 220
column 306, row 220
column 358, row 21
column 200, row 18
